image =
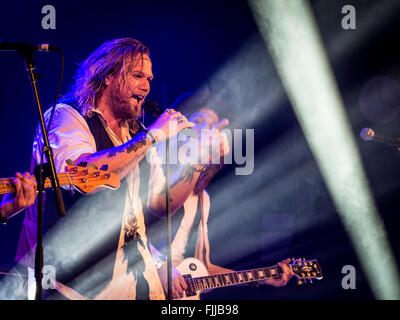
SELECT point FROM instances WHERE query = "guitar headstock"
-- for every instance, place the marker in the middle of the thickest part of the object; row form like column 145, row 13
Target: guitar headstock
column 306, row 269
column 86, row 179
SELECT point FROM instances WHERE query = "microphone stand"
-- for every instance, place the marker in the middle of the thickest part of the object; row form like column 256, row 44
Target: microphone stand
column 169, row 224
column 41, row 174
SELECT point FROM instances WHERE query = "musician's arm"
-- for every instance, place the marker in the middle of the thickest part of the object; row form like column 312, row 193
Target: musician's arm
column 183, row 180
column 120, row 159
column 25, row 194
column 71, row 139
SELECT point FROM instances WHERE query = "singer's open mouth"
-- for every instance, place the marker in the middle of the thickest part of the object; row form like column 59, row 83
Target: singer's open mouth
column 138, row 97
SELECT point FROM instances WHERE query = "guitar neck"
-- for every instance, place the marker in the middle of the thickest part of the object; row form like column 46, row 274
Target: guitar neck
column 7, row 184
column 234, row 278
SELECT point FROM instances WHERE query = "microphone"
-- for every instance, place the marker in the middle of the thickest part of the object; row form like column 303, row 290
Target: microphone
column 26, row 47
column 367, row 134
column 155, row 110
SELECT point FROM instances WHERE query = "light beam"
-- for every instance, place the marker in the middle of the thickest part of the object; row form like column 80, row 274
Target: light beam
column 291, row 34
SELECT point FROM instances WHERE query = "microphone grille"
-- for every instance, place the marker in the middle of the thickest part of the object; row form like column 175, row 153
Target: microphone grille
column 367, row 134
column 43, row 47
column 152, row 107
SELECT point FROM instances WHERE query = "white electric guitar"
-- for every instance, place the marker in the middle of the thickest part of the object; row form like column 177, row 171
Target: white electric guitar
column 198, row 280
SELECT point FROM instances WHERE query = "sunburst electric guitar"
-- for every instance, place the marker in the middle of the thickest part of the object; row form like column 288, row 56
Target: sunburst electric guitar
column 84, row 179
column 198, row 280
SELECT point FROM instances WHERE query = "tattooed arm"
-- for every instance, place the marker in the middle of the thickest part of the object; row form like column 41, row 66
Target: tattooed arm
column 121, row 159
column 71, row 139
column 183, row 178
column 124, row 158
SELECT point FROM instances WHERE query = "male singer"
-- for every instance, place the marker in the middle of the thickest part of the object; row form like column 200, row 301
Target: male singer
column 98, row 124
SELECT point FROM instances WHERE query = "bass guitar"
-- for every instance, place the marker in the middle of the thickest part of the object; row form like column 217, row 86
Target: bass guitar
column 82, row 178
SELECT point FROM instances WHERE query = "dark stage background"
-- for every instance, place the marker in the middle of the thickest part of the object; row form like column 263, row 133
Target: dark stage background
column 283, row 208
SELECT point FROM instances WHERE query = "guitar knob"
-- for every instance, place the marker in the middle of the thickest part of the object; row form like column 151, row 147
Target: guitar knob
column 299, row 282
column 96, row 174
column 107, row 176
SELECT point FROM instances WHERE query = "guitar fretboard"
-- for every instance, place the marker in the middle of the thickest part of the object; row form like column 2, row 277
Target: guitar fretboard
column 7, row 185
column 232, row 278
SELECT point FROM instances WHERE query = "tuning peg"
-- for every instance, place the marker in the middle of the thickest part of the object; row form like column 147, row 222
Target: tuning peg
column 70, row 162
column 104, row 167
column 82, row 164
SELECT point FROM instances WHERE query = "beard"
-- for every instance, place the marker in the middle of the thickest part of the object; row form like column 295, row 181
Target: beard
column 122, row 108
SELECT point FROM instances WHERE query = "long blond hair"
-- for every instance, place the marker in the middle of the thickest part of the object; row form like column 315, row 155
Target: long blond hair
column 112, row 57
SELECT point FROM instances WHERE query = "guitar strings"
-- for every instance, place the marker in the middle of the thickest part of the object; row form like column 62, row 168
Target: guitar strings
column 70, row 178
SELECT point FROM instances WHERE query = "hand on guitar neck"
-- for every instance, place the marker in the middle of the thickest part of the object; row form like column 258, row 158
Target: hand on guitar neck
column 178, row 282
column 286, row 275
column 20, row 191
column 25, row 188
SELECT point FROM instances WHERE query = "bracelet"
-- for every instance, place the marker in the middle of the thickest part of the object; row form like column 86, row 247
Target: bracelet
column 147, row 131
column 198, row 170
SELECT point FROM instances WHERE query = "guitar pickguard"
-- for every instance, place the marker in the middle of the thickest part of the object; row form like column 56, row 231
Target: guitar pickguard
column 191, row 268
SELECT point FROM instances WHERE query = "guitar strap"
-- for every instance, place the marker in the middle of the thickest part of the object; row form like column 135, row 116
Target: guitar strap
column 182, row 244
column 203, row 244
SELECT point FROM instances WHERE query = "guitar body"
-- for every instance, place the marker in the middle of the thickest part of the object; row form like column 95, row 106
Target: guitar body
column 194, row 268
